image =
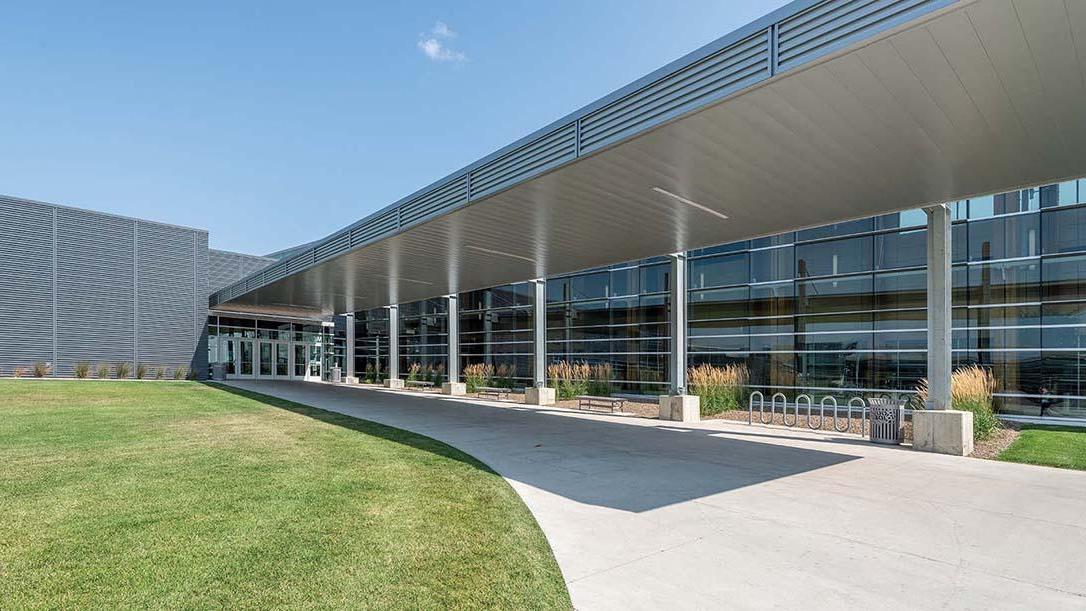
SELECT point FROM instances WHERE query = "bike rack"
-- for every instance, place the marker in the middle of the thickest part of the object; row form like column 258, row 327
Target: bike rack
column 773, row 408
column 821, row 412
column 863, row 413
column 795, row 418
column 761, row 406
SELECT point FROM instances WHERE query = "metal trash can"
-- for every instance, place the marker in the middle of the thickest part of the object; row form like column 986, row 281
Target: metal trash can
column 337, row 375
column 218, row 371
column 887, row 418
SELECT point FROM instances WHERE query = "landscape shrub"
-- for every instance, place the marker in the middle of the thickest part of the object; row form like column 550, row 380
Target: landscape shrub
column 181, row 373
column 102, row 371
column 413, row 372
column 504, row 376
column 82, row 370
column 160, row 372
column 141, row 371
column 569, row 379
column 18, row 372
column 122, row 370
column 600, row 377
column 720, row 389
column 42, row 369
column 478, row 375
column 971, row 390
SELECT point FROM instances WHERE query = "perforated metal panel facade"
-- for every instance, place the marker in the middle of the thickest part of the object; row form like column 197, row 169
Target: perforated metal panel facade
column 87, row 287
column 225, row 267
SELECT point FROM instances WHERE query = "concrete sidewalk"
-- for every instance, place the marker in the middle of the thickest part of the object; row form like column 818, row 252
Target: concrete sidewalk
column 643, row 514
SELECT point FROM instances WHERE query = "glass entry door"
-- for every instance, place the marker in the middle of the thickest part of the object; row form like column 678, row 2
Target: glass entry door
column 301, row 363
column 245, row 357
column 266, row 366
column 229, row 356
column 282, row 360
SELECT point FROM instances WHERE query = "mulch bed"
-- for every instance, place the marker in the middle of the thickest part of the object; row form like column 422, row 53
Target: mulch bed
column 1000, row 440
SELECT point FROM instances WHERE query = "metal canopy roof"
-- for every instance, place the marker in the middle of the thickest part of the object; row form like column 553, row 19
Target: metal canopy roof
column 818, row 113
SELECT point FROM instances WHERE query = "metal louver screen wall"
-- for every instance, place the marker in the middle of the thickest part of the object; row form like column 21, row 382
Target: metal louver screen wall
column 728, row 66
column 123, row 290
column 26, row 281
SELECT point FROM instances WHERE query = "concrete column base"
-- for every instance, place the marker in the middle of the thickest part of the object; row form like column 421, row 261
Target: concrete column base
column 680, row 408
column 943, row 432
column 394, row 383
column 539, row 396
column 350, row 380
column 455, row 389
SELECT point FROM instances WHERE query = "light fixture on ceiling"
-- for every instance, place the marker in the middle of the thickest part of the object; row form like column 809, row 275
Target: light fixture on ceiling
column 499, row 252
column 688, row 202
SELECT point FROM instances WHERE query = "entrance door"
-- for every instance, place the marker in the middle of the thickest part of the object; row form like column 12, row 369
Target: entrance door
column 301, row 362
column 245, row 358
column 282, row 360
column 229, row 356
column 266, row 362
column 314, row 362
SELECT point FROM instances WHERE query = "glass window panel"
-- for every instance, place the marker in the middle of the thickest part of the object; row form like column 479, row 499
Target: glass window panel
column 1004, row 238
column 1064, row 230
column 589, row 286
column 625, row 281
column 901, row 249
column 772, row 265
column 718, row 303
column 654, row 278
column 717, row 327
column 773, row 240
column 1063, row 313
column 901, row 290
column 836, row 229
column 834, row 295
column 833, row 258
column 723, row 248
column 772, row 299
column 854, row 321
column 557, row 290
column 908, row 218
column 719, row 271
column 1065, row 278
column 1010, row 282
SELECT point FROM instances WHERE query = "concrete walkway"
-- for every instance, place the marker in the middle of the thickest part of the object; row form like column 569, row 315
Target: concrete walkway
column 644, row 514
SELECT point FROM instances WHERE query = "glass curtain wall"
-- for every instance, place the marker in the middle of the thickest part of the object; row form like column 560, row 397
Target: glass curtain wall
column 371, row 345
column 616, row 316
column 424, row 340
column 496, row 329
column 839, row 309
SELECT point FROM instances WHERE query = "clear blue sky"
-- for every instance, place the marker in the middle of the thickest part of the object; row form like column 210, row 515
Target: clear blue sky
column 271, row 124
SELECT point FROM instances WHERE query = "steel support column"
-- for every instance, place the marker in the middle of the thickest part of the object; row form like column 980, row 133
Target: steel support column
column 348, row 347
column 940, row 285
column 677, row 288
column 539, row 322
column 393, row 342
column 453, row 309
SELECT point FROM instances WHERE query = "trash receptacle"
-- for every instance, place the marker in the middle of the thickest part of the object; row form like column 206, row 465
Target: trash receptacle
column 887, row 418
column 337, row 375
column 218, row 371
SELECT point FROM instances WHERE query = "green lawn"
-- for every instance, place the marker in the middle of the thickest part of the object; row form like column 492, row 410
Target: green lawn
column 180, row 494
column 1049, row 445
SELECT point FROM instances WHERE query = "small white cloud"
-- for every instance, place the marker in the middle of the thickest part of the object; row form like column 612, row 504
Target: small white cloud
column 442, row 30
column 433, row 47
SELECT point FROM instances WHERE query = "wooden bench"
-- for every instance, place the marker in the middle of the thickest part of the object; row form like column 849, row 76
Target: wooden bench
column 494, row 392
column 615, row 403
column 418, row 384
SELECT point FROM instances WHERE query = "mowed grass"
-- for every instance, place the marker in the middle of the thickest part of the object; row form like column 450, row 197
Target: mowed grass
column 1049, row 445
column 181, row 494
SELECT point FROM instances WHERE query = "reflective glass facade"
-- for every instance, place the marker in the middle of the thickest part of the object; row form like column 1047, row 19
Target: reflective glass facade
column 837, row 309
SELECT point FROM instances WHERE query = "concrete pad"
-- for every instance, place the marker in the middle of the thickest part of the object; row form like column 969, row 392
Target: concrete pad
column 643, row 514
column 455, row 389
column 680, row 408
column 943, row 432
column 539, row 395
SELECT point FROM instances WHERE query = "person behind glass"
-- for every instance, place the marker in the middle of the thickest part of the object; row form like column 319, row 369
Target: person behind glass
column 1047, row 400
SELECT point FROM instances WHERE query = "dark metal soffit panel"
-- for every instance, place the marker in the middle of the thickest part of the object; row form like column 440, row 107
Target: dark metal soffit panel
column 797, row 34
